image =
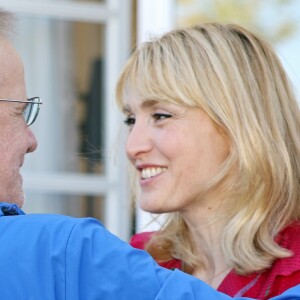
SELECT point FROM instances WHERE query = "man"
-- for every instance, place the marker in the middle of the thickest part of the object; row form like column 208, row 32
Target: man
column 59, row 257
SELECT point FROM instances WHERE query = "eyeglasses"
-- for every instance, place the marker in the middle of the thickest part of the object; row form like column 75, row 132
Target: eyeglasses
column 31, row 109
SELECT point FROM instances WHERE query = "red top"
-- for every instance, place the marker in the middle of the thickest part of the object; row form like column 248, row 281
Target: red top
column 283, row 274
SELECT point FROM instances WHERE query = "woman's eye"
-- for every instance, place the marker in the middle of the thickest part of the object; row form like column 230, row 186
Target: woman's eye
column 160, row 116
column 129, row 121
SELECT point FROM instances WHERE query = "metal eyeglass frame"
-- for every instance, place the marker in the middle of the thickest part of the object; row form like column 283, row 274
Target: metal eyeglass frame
column 33, row 100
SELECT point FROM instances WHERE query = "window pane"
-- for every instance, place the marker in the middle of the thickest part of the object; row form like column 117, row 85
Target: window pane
column 64, row 66
column 76, row 206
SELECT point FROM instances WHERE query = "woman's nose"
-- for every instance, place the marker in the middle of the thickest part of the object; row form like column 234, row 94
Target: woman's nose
column 138, row 142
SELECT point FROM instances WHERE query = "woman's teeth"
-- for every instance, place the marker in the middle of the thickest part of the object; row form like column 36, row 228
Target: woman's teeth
column 150, row 172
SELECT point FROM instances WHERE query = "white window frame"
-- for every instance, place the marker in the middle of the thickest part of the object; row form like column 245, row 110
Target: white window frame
column 116, row 16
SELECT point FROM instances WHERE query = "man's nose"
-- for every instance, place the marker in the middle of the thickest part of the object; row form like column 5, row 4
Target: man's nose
column 32, row 142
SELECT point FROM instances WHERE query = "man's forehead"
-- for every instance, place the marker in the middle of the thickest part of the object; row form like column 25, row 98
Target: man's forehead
column 9, row 57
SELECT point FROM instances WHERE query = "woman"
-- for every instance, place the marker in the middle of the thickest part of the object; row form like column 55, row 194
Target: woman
column 214, row 138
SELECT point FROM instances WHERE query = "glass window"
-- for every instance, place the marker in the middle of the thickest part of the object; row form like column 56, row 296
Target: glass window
column 64, row 63
column 64, row 66
column 80, row 206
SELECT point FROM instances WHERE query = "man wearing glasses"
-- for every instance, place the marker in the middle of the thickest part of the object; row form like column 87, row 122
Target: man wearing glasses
column 58, row 257
column 16, row 113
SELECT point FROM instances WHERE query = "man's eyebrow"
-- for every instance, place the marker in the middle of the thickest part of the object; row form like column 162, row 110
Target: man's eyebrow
column 20, row 105
column 144, row 104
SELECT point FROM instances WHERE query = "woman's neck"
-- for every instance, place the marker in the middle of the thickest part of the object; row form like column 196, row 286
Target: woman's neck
column 206, row 231
column 214, row 279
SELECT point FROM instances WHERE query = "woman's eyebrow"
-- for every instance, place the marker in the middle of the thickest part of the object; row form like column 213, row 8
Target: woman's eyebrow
column 149, row 103
column 126, row 109
column 144, row 104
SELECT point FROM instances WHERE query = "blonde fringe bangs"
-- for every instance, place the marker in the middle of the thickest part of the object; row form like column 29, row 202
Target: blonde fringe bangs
column 164, row 70
column 148, row 76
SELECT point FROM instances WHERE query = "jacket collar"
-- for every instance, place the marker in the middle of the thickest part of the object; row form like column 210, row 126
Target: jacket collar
column 9, row 209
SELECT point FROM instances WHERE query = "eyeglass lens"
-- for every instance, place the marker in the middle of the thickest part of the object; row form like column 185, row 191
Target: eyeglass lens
column 31, row 110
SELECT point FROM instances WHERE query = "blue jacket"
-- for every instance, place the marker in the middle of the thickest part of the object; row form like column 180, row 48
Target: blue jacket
column 45, row 257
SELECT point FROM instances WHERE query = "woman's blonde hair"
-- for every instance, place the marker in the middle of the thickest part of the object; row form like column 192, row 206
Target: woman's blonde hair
column 237, row 79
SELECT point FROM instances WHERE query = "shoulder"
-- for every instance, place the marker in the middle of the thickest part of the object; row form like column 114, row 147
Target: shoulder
column 43, row 228
column 282, row 275
column 59, row 257
column 285, row 272
column 35, row 222
column 139, row 240
column 158, row 250
column 34, row 243
column 289, row 238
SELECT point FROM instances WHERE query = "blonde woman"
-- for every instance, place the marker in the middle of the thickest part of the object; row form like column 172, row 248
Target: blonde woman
column 214, row 139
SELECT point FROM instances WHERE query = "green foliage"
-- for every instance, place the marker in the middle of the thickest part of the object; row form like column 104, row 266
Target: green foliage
column 248, row 13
